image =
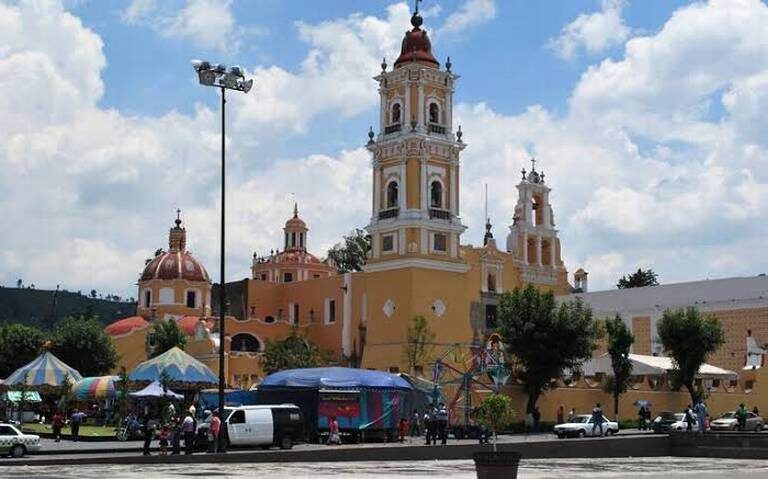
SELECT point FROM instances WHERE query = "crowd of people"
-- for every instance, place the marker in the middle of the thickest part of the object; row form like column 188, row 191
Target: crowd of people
column 171, row 429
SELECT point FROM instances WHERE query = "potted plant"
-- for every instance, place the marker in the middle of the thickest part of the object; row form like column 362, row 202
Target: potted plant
column 495, row 412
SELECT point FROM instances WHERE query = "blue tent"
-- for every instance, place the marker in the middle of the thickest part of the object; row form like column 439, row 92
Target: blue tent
column 335, row 377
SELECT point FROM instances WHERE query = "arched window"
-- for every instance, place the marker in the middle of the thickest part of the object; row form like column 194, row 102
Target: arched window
column 191, row 299
column 245, row 343
column 395, row 118
column 392, row 194
column 434, row 113
column 436, row 194
column 147, row 298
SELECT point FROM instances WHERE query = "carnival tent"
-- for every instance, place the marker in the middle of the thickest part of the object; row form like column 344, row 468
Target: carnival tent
column 155, row 390
column 643, row 365
column 335, row 377
column 45, row 370
column 177, row 365
column 98, row 387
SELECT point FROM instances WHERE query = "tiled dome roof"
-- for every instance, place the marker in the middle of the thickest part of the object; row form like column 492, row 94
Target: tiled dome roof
column 175, row 265
column 416, row 45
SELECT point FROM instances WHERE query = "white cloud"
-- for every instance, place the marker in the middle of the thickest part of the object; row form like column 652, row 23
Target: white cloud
column 207, row 23
column 470, row 14
column 594, row 32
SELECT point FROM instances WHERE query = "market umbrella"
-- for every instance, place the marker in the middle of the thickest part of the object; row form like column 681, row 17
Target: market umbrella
column 45, row 370
column 155, row 390
column 177, row 365
column 98, row 387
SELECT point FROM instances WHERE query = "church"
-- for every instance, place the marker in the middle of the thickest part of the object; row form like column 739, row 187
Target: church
column 417, row 265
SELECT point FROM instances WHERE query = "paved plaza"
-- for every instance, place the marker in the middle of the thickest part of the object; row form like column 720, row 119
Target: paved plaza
column 646, row 468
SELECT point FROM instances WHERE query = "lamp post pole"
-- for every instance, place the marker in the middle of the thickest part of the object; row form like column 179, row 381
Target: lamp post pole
column 218, row 76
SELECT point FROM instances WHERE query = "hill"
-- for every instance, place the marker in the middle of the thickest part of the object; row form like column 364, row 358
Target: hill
column 43, row 308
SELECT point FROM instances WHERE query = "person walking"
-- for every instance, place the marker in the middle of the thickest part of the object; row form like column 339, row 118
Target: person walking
column 334, row 438
column 571, row 415
column 188, row 427
column 57, row 421
column 214, row 429
column 74, row 423
column 701, row 413
column 442, row 423
column 641, row 419
column 741, row 417
column 415, row 424
column 428, row 426
column 597, row 419
column 176, row 437
column 689, row 419
column 148, row 428
column 402, row 429
column 536, row 414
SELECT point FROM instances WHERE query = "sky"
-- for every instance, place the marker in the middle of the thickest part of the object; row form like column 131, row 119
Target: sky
column 648, row 118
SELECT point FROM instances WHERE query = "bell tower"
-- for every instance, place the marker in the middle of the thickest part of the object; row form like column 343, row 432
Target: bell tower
column 415, row 213
column 532, row 236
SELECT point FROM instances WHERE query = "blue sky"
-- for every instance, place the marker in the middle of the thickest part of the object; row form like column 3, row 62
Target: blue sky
column 645, row 114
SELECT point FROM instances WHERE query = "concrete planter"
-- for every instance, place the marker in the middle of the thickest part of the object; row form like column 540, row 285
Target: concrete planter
column 496, row 465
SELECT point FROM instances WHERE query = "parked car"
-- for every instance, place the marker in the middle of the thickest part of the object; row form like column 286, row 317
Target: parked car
column 729, row 422
column 15, row 443
column 581, row 426
column 672, row 421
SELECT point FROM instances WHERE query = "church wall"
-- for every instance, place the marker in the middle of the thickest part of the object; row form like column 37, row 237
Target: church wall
column 414, row 182
column 131, row 349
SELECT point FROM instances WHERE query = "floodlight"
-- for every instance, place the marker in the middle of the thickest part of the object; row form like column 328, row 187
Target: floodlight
column 247, row 85
column 220, row 68
column 207, row 77
column 236, row 70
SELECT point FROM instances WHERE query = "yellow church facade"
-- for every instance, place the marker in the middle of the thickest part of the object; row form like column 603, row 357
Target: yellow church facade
column 417, row 265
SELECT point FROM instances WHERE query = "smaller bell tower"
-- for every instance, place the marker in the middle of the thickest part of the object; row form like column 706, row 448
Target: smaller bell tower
column 532, row 236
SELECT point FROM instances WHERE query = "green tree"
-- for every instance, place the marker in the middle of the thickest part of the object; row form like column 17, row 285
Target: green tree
column 166, row 335
column 688, row 337
column 620, row 339
column 545, row 339
column 82, row 343
column 638, row 279
column 352, row 254
column 495, row 413
column 418, row 346
column 19, row 344
column 295, row 351
column 121, row 395
column 64, row 392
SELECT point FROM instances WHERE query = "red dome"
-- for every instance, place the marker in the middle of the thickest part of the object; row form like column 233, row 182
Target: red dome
column 126, row 325
column 175, row 265
column 188, row 324
column 416, row 45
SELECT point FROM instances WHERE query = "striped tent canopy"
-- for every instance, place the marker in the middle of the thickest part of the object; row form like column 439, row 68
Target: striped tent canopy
column 178, row 365
column 98, row 387
column 45, row 370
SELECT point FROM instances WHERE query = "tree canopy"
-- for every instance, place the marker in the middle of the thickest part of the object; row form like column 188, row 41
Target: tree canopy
column 544, row 338
column 166, row 335
column 352, row 254
column 82, row 343
column 688, row 337
column 295, row 351
column 620, row 340
column 19, row 344
column 638, row 279
column 418, row 345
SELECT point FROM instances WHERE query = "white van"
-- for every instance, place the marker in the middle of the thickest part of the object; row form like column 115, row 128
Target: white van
column 265, row 425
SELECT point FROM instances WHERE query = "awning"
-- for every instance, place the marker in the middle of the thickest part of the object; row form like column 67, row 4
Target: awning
column 643, row 365
column 30, row 396
column 155, row 390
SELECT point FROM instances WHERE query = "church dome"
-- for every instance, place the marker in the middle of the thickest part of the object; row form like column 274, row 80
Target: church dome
column 177, row 262
column 126, row 325
column 416, row 45
column 175, row 265
column 295, row 223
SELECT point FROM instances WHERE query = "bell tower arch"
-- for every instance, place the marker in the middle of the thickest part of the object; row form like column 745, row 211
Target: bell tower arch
column 415, row 218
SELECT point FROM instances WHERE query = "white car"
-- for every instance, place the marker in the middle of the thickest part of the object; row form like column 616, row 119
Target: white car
column 15, row 443
column 582, row 426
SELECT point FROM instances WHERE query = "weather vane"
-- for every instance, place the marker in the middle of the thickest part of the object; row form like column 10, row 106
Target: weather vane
column 417, row 6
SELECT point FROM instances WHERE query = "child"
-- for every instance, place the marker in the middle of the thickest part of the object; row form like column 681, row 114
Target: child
column 403, row 429
column 164, row 436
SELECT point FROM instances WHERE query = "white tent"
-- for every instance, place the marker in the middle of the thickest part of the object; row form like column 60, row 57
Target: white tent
column 643, row 365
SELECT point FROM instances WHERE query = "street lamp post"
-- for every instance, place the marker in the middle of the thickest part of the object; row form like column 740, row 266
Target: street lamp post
column 233, row 79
